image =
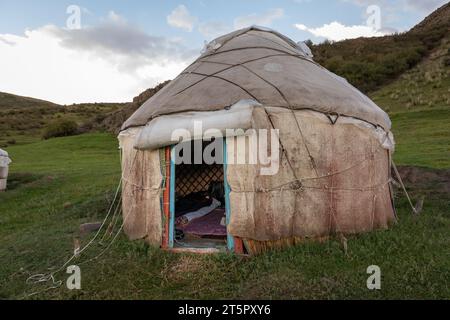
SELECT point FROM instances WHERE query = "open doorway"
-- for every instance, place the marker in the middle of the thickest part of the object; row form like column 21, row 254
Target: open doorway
column 198, row 196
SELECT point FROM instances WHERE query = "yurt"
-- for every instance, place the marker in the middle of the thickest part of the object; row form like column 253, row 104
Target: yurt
column 255, row 146
column 4, row 168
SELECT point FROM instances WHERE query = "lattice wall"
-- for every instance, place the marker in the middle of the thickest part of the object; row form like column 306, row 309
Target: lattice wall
column 194, row 178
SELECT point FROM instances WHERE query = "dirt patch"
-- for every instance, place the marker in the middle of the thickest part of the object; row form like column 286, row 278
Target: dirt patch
column 184, row 266
column 15, row 180
column 425, row 179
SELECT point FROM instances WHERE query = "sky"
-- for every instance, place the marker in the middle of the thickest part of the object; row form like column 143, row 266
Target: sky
column 109, row 51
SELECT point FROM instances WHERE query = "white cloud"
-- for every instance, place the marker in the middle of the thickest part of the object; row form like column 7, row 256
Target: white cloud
column 111, row 62
column 336, row 31
column 114, row 17
column 264, row 19
column 181, row 18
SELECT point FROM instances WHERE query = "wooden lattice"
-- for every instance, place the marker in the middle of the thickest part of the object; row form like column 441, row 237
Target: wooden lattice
column 194, row 178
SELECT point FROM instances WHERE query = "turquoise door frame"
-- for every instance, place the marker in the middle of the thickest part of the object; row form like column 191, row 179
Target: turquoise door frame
column 172, row 198
column 230, row 239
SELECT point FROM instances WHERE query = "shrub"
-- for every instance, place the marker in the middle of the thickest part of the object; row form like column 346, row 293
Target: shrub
column 60, row 128
column 447, row 62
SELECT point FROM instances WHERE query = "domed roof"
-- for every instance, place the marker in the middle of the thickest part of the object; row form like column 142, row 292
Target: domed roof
column 263, row 65
column 4, row 158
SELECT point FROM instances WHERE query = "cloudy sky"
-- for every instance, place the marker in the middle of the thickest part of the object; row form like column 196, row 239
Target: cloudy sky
column 109, row 51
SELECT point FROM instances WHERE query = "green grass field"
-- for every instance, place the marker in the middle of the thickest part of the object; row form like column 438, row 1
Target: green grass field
column 58, row 184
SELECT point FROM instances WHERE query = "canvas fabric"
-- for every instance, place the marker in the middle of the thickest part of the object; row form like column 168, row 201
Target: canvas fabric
column 262, row 65
column 141, row 190
column 350, row 193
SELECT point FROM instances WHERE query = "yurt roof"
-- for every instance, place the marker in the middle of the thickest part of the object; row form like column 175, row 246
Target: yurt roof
column 4, row 158
column 3, row 153
column 263, row 65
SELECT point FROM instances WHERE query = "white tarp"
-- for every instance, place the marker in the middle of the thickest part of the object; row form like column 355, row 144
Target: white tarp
column 159, row 132
column 4, row 158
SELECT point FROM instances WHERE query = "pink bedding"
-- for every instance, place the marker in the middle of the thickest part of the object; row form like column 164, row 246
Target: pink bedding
column 208, row 225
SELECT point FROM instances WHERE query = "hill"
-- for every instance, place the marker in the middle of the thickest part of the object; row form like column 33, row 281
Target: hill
column 113, row 121
column 424, row 87
column 23, row 119
column 11, row 101
column 371, row 63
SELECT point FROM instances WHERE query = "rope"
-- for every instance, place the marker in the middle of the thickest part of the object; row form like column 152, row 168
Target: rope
column 313, row 162
column 226, row 80
column 242, row 64
column 282, row 146
column 42, row 278
column 403, row 187
column 297, row 184
column 56, row 285
column 290, row 48
column 113, row 240
column 370, row 188
column 325, row 188
column 113, row 222
column 229, row 66
column 248, row 48
column 139, row 187
column 298, row 56
column 293, row 113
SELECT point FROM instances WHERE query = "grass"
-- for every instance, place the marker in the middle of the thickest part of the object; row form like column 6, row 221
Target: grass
column 423, row 138
column 60, row 183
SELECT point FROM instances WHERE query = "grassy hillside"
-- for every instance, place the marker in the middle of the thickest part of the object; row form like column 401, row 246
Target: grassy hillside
column 61, row 183
column 23, row 119
column 370, row 63
column 424, row 87
column 10, row 101
column 113, row 121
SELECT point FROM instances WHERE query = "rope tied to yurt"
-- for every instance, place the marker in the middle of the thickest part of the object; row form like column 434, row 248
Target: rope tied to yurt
column 43, row 278
column 242, row 64
column 299, row 186
column 298, row 183
column 403, row 186
column 47, row 277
